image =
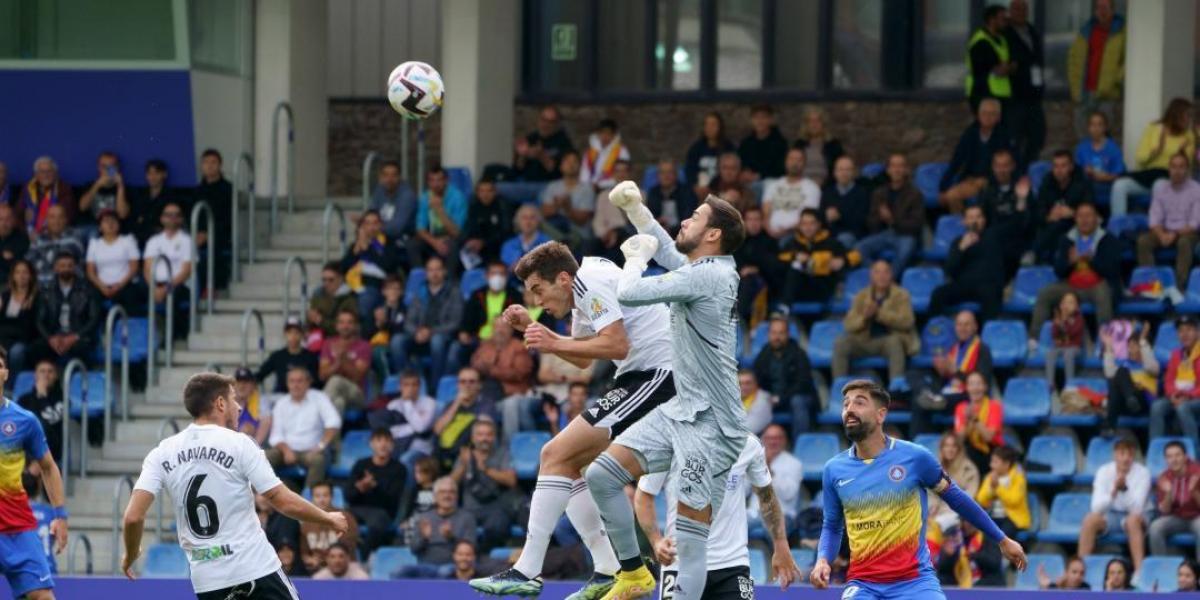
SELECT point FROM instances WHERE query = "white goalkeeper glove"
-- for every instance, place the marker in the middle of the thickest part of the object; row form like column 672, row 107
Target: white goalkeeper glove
column 627, row 197
column 638, row 250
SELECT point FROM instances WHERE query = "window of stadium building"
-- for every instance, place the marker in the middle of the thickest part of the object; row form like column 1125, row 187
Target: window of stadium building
column 133, row 30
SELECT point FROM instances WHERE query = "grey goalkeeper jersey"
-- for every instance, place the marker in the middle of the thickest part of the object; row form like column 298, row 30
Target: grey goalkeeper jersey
column 703, row 303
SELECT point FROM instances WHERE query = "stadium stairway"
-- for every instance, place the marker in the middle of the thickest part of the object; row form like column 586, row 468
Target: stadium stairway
column 217, row 343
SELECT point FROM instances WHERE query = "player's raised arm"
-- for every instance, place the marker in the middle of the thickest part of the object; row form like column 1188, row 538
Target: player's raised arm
column 676, row 286
column 627, row 197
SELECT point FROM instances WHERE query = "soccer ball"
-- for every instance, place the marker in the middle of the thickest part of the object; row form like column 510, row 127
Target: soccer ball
column 415, row 90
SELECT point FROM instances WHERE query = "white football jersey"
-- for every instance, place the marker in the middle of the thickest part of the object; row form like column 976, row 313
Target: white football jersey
column 647, row 327
column 209, row 471
column 727, row 537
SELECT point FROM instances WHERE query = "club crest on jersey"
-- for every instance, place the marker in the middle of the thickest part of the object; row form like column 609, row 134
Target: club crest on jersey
column 896, row 473
column 598, row 309
column 8, row 427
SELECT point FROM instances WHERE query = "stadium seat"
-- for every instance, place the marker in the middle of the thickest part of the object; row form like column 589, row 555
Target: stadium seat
column 1028, row 282
column 447, row 389
column 758, row 566
column 1054, row 451
column 391, row 385
column 415, row 287
column 95, row 394
column 473, row 280
column 650, row 177
column 1066, row 518
column 386, row 560
column 520, row 192
column 1088, row 385
column 813, row 450
column 832, row 415
column 1094, row 566
column 1158, row 574
column 920, row 283
column 1156, row 462
column 1099, row 452
column 1128, row 225
column 855, row 281
column 948, row 228
column 526, row 452
column 1035, row 519
column 820, row 342
column 460, row 178
column 355, row 445
column 165, row 561
column 1028, row 579
column 1026, row 401
column 931, row 441
column 1145, row 276
column 805, row 558
column 927, row 179
column 1166, row 340
column 1191, row 295
column 758, row 339
column 23, row 384
column 1007, row 341
column 936, row 337
column 136, row 339
column 1036, row 171
column 339, row 496
column 502, row 554
column 1037, row 358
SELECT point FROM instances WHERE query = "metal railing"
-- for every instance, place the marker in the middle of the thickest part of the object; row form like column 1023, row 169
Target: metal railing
column 124, row 482
column 262, row 335
column 285, row 108
column 151, row 334
column 326, row 221
column 194, row 280
column 76, row 366
column 243, row 159
column 294, row 261
column 367, row 164
column 114, row 313
column 420, row 157
column 77, row 540
column 162, row 430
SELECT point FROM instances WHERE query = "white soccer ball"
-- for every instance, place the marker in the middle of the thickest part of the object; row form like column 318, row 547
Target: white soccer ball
column 415, row 90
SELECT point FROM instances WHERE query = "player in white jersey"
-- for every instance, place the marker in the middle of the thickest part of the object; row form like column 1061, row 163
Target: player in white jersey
column 728, row 551
column 636, row 340
column 212, row 472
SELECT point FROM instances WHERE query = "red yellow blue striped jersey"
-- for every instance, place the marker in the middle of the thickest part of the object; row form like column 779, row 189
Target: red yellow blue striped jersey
column 21, row 436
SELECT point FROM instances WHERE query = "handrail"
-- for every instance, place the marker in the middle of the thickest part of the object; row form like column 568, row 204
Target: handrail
column 262, row 334
column 162, row 429
column 194, row 280
column 72, row 367
column 404, row 150
column 113, row 314
column 294, row 261
column 169, row 339
column 367, row 164
column 326, row 220
column 211, row 367
column 286, row 108
column 247, row 160
column 77, row 540
column 126, row 481
column 420, row 158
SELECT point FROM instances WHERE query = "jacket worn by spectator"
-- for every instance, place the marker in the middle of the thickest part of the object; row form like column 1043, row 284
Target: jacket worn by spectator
column 440, row 311
column 680, row 201
column 982, row 263
column 370, row 267
column 49, row 411
column 819, row 280
column 490, row 223
column 1105, row 261
column 83, row 312
column 1006, row 496
column 12, row 246
column 410, row 421
column 1112, row 64
column 765, row 156
column 390, row 479
column 1178, row 381
column 280, row 361
column 43, row 250
column 1051, row 193
column 330, row 306
column 853, row 205
column 895, row 314
column 439, row 549
column 397, row 210
column 785, row 372
column 907, row 206
column 482, row 308
column 973, row 155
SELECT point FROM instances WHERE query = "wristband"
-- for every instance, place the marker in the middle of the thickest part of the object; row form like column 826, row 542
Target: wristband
column 60, row 512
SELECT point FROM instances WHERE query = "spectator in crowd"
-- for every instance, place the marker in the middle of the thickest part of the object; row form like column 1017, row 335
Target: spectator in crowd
column 488, row 481
column 1180, row 385
column 255, row 418
column 20, row 305
column 388, row 325
column 316, row 539
column 700, row 167
column 729, row 179
column 332, row 297
column 1188, row 576
column 967, row 560
column 782, row 369
column 605, row 148
column 218, row 193
column 488, row 224
column 1088, row 263
column 1131, row 370
column 763, row 151
column 408, row 416
column 1174, row 219
column 374, row 489
column 988, row 60
column 669, row 201
column 1067, row 333
column 786, row 472
column 69, row 316
column 979, row 422
column 169, row 260
column 481, row 309
column 763, row 275
column 434, row 533
column 14, row 242
column 971, row 162
column 112, row 264
column 292, row 354
column 967, row 354
column 45, row 401
column 817, row 261
column 880, row 322
column 569, row 203
column 1100, row 157
column 1003, row 492
column 465, row 568
column 961, row 470
column 558, row 377
column 278, row 527
column 1161, row 141
column 560, row 414
column 820, row 146
column 896, row 218
column 55, row 238
column 758, row 402
column 107, row 193
column 1096, row 63
column 1006, row 202
column 441, row 214
column 609, row 225
column 433, row 319
column 1071, row 579
column 291, row 566
column 368, row 262
column 845, row 203
column 395, row 202
column 1026, row 119
column 1118, row 575
column 146, row 204
column 536, row 156
column 303, row 425
column 9, row 192
column 973, row 268
column 528, row 236
column 1178, row 500
column 504, row 362
column 453, row 425
column 340, row 566
column 1119, row 494
column 785, row 197
column 44, row 191
column 344, row 364
column 1057, row 197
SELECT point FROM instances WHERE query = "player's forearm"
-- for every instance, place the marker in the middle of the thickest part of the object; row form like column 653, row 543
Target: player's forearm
column 132, row 535
column 600, row 347
column 52, row 481
column 643, row 509
column 291, row 504
column 772, row 513
column 961, row 503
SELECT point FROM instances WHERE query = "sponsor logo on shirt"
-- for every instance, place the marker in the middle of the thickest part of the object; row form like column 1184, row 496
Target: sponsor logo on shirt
column 598, row 309
column 843, row 482
column 213, row 553
column 609, row 400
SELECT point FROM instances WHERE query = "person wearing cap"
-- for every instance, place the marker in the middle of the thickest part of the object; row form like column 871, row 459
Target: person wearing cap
column 292, row 354
column 112, row 264
column 69, row 316
column 255, row 420
column 1180, row 385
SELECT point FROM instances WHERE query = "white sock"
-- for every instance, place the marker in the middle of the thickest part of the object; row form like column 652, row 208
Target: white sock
column 586, row 518
column 550, row 497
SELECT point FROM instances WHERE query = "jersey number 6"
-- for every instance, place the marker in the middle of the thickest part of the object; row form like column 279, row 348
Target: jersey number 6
column 201, row 510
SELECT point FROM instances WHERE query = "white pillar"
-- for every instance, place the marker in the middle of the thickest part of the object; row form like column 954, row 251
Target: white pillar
column 480, row 69
column 289, row 65
column 1159, row 55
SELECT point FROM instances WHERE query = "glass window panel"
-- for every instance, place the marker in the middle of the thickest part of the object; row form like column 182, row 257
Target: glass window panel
column 947, row 26
column 621, row 47
column 215, row 31
column 857, row 42
column 87, row 30
column 561, row 42
column 739, row 44
column 677, row 49
column 797, row 41
column 1063, row 20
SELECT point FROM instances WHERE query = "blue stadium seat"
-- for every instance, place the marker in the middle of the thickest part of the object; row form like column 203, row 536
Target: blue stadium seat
column 1099, row 452
column 23, row 384
column 920, row 283
column 1147, row 306
column 813, row 450
column 415, row 287
column 460, row 178
column 386, row 560
column 855, row 281
column 758, row 339
column 1028, row 579
column 391, row 385
column 1159, row 574
column 650, row 177
column 166, row 561
column 1007, row 341
column 1037, row 358
column 936, row 337
column 1037, row 171
column 1128, row 225
column 521, row 192
column 294, row 472
column 1094, row 566
column 931, row 441
column 1055, row 451
column 501, row 554
column 473, row 280
column 1066, row 518
column 948, row 229
column 95, row 394
column 1028, row 282
column 1026, row 401
column 1098, row 385
column 136, row 339
column 339, row 496
column 805, row 559
column 1166, row 340
column 927, row 179
column 1156, row 462
column 820, row 342
column 758, row 566
column 1035, row 519
column 447, row 389
column 526, row 452
column 1191, row 296
column 355, row 445
column 872, row 170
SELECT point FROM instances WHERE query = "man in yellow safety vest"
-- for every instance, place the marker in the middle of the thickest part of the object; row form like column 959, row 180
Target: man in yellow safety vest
column 988, row 64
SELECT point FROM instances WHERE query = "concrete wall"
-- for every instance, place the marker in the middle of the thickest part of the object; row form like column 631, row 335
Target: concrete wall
column 368, row 38
column 220, row 111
